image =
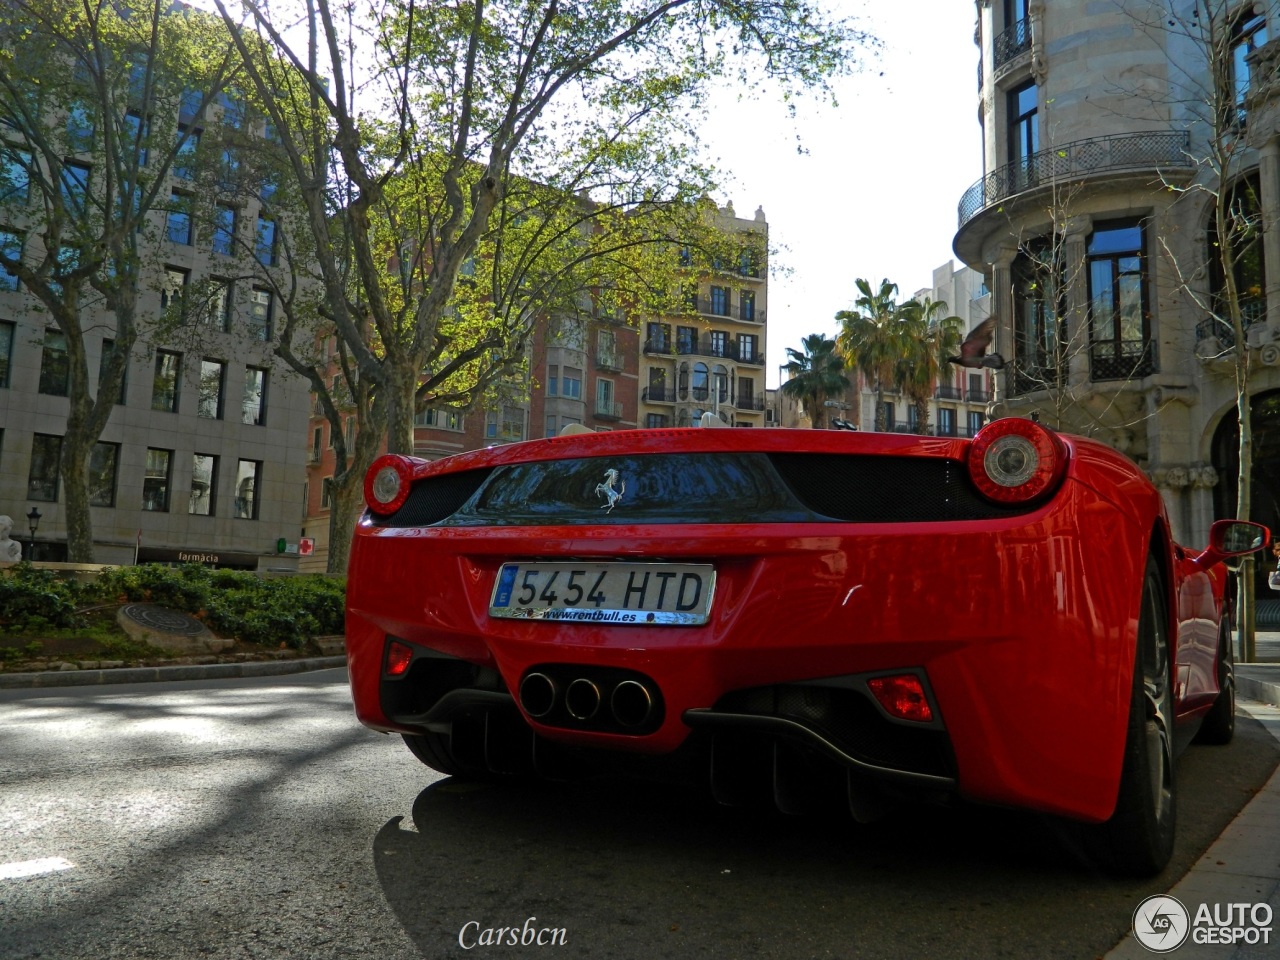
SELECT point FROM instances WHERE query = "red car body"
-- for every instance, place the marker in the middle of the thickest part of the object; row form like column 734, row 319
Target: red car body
column 1018, row 620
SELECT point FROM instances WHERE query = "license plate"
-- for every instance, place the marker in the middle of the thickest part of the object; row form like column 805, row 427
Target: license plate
column 605, row 593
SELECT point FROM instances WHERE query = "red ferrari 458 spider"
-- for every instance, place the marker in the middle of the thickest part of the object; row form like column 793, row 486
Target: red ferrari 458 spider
column 806, row 614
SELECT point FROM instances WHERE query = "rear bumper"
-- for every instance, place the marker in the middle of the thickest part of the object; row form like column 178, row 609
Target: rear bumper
column 1026, row 647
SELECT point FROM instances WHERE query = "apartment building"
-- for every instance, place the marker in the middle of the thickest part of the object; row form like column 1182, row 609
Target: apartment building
column 202, row 457
column 1092, row 224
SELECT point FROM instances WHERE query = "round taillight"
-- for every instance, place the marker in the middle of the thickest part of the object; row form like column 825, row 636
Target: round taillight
column 1016, row 461
column 387, row 484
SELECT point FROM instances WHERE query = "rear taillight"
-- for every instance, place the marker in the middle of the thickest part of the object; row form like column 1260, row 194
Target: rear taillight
column 387, row 484
column 1016, row 461
column 399, row 658
column 902, row 696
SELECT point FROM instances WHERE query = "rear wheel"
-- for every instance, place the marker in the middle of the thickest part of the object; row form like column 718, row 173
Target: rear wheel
column 1138, row 839
column 1219, row 724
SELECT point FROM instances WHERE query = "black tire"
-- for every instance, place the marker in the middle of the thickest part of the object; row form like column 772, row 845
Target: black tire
column 433, row 750
column 1138, row 839
column 1219, row 724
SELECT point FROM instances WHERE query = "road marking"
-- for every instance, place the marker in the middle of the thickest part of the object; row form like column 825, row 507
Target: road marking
column 33, row 868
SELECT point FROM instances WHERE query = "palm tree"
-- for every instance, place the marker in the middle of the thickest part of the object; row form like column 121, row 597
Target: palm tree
column 817, row 373
column 930, row 339
column 873, row 336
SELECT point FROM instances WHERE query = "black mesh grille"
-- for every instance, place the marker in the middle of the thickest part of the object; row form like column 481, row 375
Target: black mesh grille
column 435, row 499
column 885, row 489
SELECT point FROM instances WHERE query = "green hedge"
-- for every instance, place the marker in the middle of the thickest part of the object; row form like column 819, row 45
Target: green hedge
column 284, row 610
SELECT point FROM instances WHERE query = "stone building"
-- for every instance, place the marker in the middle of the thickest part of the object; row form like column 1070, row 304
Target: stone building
column 1093, row 226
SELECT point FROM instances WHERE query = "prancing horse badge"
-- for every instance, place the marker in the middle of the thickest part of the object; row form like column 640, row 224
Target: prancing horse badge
column 606, row 490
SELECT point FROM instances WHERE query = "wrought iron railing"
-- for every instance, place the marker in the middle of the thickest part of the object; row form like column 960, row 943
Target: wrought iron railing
column 1252, row 311
column 1132, row 361
column 658, row 395
column 943, row 392
column 1012, row 42
column 1081, row 158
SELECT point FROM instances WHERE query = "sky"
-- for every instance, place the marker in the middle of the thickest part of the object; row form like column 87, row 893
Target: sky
column 874, row 193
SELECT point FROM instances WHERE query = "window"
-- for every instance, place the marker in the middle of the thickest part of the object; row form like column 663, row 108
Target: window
column 351, row 432
column 155, row 482
column 1039, row 334
column 326, row 493
column 1024, row 131
column 173, row 292
column 658, row 337
column 976, row 391
column 571, row 384
column 184, row 157
column 75, row 186
column 440, row 418
column 749, row 263
column 976, row 418
column 1119, row 327
column 746, row 393
column 204, row 485
column 748, row 345
column 10, row 247
column 888, row 409
column 164, row 389
column 946, row 422
column 506, row 424
column 109, row 351
column 720, row 301
column 54, row 367
column 137, row 131
column 720, row 380
column 178, row 224
column 655, row 421
column 316, row 443
column 6, row 351
column 913, row 418
column 701, row 381
column 15, row 174
column 232, row 102
column 607, row 349
column 260, row 310
column 686, row 339
column 221, row 304
column 104, row 460
column 553, row 380
column 248, row 488
column 265, row 244
column 605, row 406
column 719, row 343
column 1247, row 35
column 79, row 127
column 224, row 229
column 42, row 480
column 229, row 169
column 253, row 405
column 213, row 378
column 189, row 105
column 747, row 302
column 1244, row 228
column 551, row 427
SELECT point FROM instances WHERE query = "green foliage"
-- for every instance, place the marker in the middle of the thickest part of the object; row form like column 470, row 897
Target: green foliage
column 31, row 599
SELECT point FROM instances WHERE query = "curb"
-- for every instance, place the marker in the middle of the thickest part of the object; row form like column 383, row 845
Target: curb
column 205, row 671
column 1259, row 681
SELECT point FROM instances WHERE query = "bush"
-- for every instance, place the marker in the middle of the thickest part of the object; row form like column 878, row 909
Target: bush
column 31, row 599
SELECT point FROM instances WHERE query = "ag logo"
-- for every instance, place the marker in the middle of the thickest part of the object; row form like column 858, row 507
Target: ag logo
column 1161, row 924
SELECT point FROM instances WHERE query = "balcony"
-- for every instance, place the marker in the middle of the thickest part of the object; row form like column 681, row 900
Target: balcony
column 749, row 403
column 608, row 361
column 608, row 410
column 1132, row 361
column 728, row 311
column 947, row 393
column 658, row 395
column 659, row 345
column 977, row 396
column 1011, row 44
column 1152, row 151
column 722, row 350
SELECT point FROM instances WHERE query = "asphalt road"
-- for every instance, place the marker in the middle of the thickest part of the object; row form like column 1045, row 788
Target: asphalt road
column 255, row 818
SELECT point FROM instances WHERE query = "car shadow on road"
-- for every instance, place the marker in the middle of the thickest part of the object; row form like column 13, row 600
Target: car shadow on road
column 634, row 869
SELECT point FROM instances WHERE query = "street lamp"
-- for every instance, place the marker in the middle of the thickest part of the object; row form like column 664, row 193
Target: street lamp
column 33, row 521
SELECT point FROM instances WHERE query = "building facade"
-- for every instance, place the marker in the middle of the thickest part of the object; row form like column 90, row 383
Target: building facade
column 1093, row 226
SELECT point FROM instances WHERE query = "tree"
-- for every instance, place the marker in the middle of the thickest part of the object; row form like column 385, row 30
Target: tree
column 90, row 94
column 929, row 338
column 873, row 334
column 816, row 373
column 516, row 159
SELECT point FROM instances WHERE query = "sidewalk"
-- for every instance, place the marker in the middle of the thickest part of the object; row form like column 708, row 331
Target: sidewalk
column 1260, row 681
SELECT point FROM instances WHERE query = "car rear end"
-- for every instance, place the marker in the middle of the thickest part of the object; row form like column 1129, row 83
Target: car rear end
column 777, row 608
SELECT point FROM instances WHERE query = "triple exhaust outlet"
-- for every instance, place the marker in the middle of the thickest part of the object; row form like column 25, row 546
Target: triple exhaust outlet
column 624, row 703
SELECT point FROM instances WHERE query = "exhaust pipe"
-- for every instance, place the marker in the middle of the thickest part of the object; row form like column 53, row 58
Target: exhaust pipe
column 582, row 699
column 631, row 703
column 538, row 694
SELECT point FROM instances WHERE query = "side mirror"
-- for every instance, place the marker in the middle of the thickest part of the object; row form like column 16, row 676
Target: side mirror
column 1232, row 538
